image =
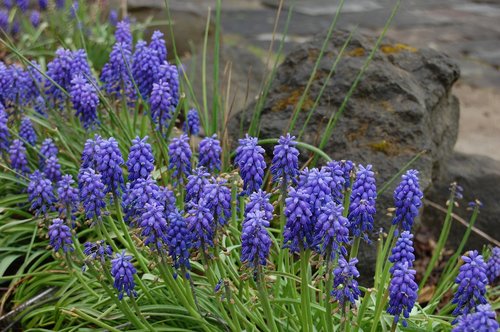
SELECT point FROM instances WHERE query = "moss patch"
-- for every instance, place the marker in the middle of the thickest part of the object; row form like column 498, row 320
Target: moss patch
column 357, row 52
column 384, row 146
column 397, row 48
column 292, row 99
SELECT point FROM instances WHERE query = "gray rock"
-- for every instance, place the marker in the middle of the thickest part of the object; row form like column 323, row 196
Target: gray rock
column 402, row 106
column 480, row 178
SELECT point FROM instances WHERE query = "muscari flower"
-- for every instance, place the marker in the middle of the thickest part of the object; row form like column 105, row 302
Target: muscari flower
column 331, row 231
column 210, row 153
column 27, row 132
column 109, row 164
column 162, row 107
column 285, row 164
column 408, row 200
column 145, row 65
column 113, row 17
column 123, row 34
column 90, row 151
column 116, row 73
column 60, row 236
column 40, row 106
column 137, row 195
column 169, row 73
column 52, row 169
column 8, row 4
column 4, row 20
column 91, row 192
column 337, row 184
column 259, row 201
column 35, row 18
column 166, row 197
column 47, row 150
column 154, row 226
column 402, row 292
column 15, row 27
column 140, row 161
column 192, row 124
column 40, row 193
column 402, row 253
column 483, row 320
column 85, row 100
column 471, row 281
column 362, row 207
column 200, row 224
column 60, row 4
column 43, row 4
column 23, row 4
column 179, row 154
column 345, row 286
column 158, row 44
column 493, row 265
column 4, row 131
column 123, row 272
column 316, row 183
column 68, row 196
column 98, row 250
column 218, row 200
column 298, row 232
column 250, row 160
column 255, row 239
column 34, row 82
column 195, row 184
column 178, row 240
column 18, row 159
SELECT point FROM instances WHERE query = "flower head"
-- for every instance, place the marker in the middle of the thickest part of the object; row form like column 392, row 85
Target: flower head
column 483, row 320
column 85, row 100
column 178, row 240
column 362, row 207
column 113, row 17
column 98, row 250
column 91, row 192
column 140, row 161
column 192, row 123
column 4, row 20
column 52, row 169
column 166, row 197
column 195, row 184
column 345, row 286
column 158, row 44
column 218, row 200
column 255, row 239
column 337, row 184
column 259, row 201
column 285, row 164
column 68, row 196
column 27, row 132
column 408, row 200
column 200, row 224
column 137, row 195
column 402, row 253
column 90, row 151
column 23, row 4
column 60, row 236
column 40, row 193
column 109, row 162
column 18, row 159
column 179, row 154
column 210, row 153
column 4, row 131
column 316, row 183
column 60, row 4
column 116, row 74
column 250, row 160
column 331, row 231
column 47, row 150
column 35, row 18
column 471, row 281
column 493, row 265
column 123, row 34
column 298, row 232
column 154, row 226
column 43, row 4
column 145, row 65
column 169, row 73
column 162, row 106
column 402, row 292
column 123, row 272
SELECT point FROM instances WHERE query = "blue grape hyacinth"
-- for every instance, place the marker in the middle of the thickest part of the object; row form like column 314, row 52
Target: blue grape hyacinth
column 116, row 74
column 123, row 272
column 259, row 201
column 154, row 226
column 407, row 200
column 140, row 161
column 162, row 105
column 166, row 197
column 18, row 159
column 493, row 266
column 255, row 239
column 210, row 153
column 168, row 73
column 179, row 154
column 137, row 195
column 402, row 293
column 345, row 286
column 145, row 65
column 40, row 193
column 299, row 228
column 90, row 151
column 317, row 184
column 218, row 198
column 471, row 281
column 27, row 132
column 483, row 320
column 285, row 164
column 195, row 184
column 331, row 232
column 338, row 183
column 362, row 208
column 250, row 160
column 60, row 236
column 91, row 193
column 201, row 225
column 158, row 44
column 403, row 251
column 35, row 18
column 123, row 34
column 192, row 124
column 68, row 196
column 98, row 250
column 47, row 150
column 4, row 131
column 85, row 101
column 43, row 4
column 109, row 162
column 178, row 240
column 52, row 169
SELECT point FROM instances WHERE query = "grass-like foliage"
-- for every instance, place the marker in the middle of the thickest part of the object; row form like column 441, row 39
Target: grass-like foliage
column 123, row 207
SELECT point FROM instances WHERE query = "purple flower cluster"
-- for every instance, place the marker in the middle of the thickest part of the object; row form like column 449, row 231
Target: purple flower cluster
column 97, row 251
column 109, row 162
column 471, row 281
column 259, row 201
column 27, row 132
column 483, row 320
column 158, row 45
column 140, row 161
column 179, row 240
column 35, row 18
column 179, row 154
column 338, row 183
column 362, row 207
column 285, row 164
column 40, row 193
column 18, row 159
column 4, row 131
column 68, row 196
column 331, row 231
column 250, row 160
column 154, row 226
column 47, row 150
column 345, row 286
column 145, row 65
column 138, row 194
column 123, row 34
column 91, row 192
column 299, row 228
column 493, row 265
column 192, row 124
column 162, row 104
column 60, row 236
column 85, row 100
column 116, row 73
column 169, row 73
column 52, row 169
column 201, row 225
column 402, row 253
column 402, row 292
column 210, row 153
column 123, row 272
column 408, row 200
column 195, row 184
column 218, row 200
column 317, row 184
column 255, row 239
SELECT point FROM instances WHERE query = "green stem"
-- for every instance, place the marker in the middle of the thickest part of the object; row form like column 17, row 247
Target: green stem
column 328, row 304
column 355, row 248
column 394, row 326
column 264, row 299
column 362, row 309
column 307, row 324
column 378, row 308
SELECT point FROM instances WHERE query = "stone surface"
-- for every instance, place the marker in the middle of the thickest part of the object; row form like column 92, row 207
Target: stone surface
column 480, row 178
column 402, row 106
